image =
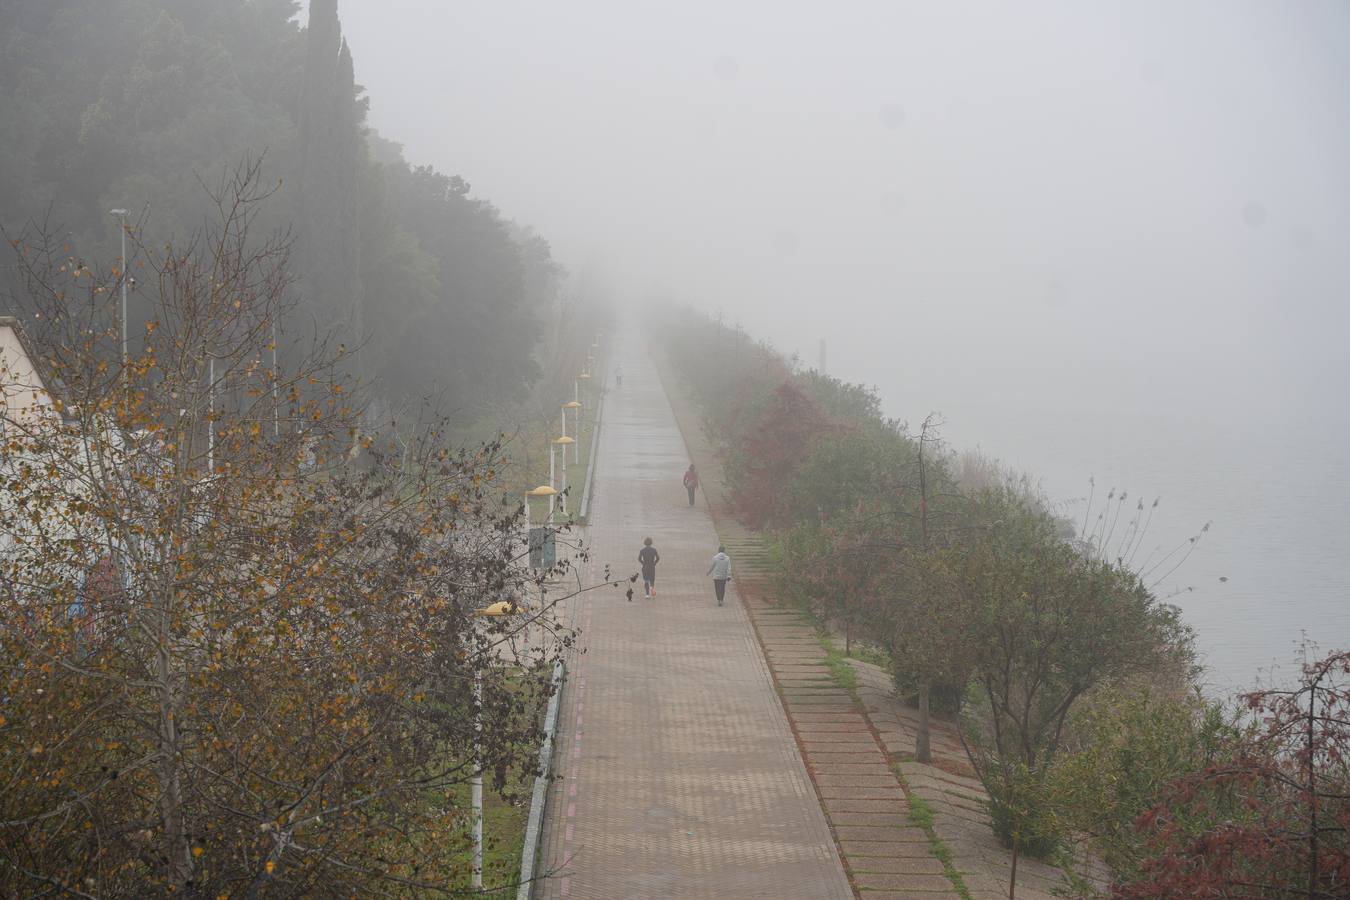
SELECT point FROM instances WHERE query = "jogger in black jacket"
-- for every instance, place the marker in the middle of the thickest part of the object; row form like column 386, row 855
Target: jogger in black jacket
column 648, row 558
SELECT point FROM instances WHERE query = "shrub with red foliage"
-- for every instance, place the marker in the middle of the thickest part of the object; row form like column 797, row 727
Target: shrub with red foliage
column 1274, row 819
column 769, row 453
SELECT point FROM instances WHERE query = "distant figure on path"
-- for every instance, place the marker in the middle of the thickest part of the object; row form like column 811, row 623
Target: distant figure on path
column 691, row 483
column 618, row 377
column 648, row 558
column 720, row 570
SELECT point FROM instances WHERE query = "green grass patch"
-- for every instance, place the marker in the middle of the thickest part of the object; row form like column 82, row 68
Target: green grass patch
column 842, row 673
column 874, row 655
column 505, row 814
column 503, row 837
column 921, row 814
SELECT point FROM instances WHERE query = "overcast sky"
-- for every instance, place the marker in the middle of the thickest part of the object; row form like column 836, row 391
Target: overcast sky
column 1106, row 239
column 930, row 186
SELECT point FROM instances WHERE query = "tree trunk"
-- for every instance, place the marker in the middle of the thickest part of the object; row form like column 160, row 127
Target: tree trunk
column 177, row 853
column 1012, row 878
column 922, row 742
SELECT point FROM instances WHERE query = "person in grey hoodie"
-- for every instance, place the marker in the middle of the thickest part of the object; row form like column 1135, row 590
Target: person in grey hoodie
column 720, row 570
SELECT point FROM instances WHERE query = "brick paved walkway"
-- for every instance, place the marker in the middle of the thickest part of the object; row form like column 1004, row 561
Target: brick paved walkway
column 680, row 773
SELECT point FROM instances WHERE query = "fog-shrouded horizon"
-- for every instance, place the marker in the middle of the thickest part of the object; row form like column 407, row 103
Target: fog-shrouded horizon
column 1106, row 240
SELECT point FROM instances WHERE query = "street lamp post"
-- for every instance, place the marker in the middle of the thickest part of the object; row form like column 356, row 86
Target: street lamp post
column 585, row 377
column 575, row 406
column 562, row 443
column 544, row 490
column 211, row 416
column 502, row 608
column 476, row 782
column 276, row 406
column 122, row 217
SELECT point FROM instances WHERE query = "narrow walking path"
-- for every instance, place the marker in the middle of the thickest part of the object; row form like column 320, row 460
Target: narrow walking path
column 680, row 773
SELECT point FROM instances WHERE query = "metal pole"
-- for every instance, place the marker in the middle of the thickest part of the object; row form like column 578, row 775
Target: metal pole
column 276, row 408
column 122, row 223
column 210, row 418
column 124, row 296
column 477, row 780
column 564, row 480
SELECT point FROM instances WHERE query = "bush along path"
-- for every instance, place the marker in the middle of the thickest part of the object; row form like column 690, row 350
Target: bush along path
column 904, row 830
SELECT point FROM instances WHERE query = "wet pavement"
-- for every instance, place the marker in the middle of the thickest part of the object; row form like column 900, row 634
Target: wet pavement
column 680, row 774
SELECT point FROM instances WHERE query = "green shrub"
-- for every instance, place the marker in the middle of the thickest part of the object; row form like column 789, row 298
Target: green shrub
column 1127, row 745
column 1023, row 811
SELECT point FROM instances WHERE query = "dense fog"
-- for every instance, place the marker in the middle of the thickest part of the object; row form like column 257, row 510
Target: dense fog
column 1135, row 195
column 1102, row 239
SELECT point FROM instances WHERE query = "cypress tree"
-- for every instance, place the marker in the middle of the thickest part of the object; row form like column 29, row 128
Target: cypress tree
column 329, row 176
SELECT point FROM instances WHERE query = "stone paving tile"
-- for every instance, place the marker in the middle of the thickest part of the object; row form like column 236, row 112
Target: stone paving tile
column 889, row 820
column 836, row 737
column 680, row 775
column 844, row 805
column 821, row 757
column 841, row 792
column 886, row 848
column 848, row 768
column 897, row 865
column 813, row 747
column 829, row 779
column 908, row 881
column 911, row 833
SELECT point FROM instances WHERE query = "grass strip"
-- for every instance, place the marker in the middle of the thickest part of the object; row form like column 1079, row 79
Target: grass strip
column 921, row 814
column 842, row 673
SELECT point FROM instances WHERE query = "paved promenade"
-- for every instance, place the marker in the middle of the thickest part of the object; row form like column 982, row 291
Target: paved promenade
column 680, row 774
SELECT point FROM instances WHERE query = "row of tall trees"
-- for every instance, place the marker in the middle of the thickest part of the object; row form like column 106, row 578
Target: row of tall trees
column 238, row 651
column 1073, row 680
column 136, row 104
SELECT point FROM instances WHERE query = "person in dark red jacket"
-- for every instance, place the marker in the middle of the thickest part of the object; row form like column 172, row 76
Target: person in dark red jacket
column 691, row 482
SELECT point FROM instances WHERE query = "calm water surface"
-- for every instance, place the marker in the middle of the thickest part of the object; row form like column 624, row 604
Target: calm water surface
column 1272, row 570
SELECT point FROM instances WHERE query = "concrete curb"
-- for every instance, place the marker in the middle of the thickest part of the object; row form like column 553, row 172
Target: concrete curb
column 534, row 825
column 585, row 506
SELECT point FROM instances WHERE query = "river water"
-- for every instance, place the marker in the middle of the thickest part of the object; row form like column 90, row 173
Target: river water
column 1270, row 573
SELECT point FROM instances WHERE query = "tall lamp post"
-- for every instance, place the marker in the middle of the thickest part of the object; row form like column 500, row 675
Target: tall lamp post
column 544, row 490
column 562, row 443
column 122, row 219
column 495, row 610
column 585, row 377
column 575, row 406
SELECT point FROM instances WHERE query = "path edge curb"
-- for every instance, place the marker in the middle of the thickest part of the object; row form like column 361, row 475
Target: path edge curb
column 534, row 825
column 584, row 509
